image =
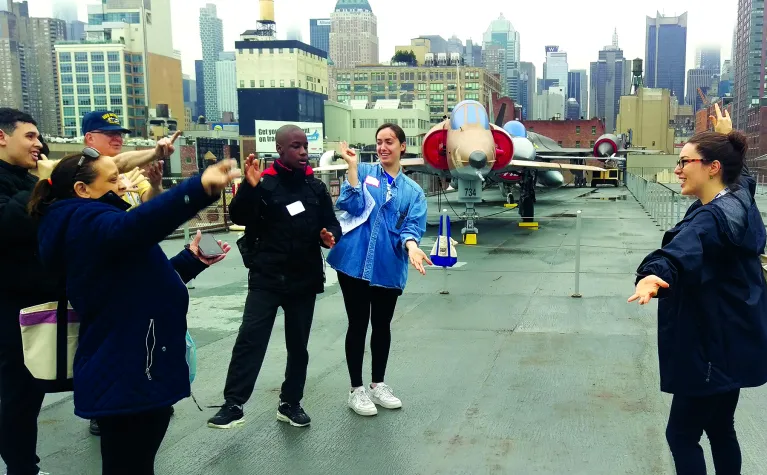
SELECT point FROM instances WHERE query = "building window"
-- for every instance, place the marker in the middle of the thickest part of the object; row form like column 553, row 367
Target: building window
column 69, row 111
column 282, row 83
column 66, row 68
column 99, row 79
column 68, row 100
column 113, row 89
column 591, row 144
column 100, row 100
column 115, row 79
column 113, row 56
column 97, row 57
column 82, row 79
column 67, row 89
column 97, row 68
column 577, row 144
column 260, row 83
column 81, row 57
column 84, row 90
column 593, row 130
column 99, row 89
column 115, row 100
column 114, row 67
column 65, row 57
column 81, row 67
column 368, row 123
column 83, row 101
column 272, row 83
column 578, row 129
column 292, row 83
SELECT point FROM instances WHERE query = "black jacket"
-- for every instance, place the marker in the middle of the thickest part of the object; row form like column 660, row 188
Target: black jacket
column 712, row 320
column 283, row 217
column 23, row 280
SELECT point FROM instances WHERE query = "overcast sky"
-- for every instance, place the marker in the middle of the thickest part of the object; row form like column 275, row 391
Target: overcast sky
column 579, row 30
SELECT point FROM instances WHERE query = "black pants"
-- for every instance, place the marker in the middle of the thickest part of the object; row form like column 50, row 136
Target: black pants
column 250, row 348
column 365, row 303
column 715, row 415
column 129, row 443
column 20, row 398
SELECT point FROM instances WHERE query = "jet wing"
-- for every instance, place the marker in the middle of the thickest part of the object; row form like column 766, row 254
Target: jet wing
column 517, row 164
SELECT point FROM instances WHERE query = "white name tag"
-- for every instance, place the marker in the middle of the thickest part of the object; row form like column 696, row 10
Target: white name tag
column 296, row 208
column 373, row 181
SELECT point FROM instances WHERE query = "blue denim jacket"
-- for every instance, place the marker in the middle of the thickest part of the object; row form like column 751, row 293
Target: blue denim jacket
column 375, row 251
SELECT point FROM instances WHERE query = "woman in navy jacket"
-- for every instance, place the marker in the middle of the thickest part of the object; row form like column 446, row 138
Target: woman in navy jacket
column 130, row 365
column 712, row 307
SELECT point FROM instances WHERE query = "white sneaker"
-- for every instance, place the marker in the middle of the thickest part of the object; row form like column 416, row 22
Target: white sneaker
column 361, row 403
column 384, row 397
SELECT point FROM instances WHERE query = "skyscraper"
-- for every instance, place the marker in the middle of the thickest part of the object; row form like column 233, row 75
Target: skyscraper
column 65, row 10
column 502, row 35
column 212, row 40
column 666, row 53
column 708, row 57
column 226, row 83
column 353, row 34
column 610, row 79
column 319, row 33
column 748, row 57
column 527, row 80
column 556, row 67
column 148, row 63
column 199, row 74
column 43, row 81
column 578, row 89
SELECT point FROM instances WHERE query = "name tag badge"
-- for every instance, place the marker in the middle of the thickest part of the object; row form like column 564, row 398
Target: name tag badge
column 373, row 181
column 296, row 208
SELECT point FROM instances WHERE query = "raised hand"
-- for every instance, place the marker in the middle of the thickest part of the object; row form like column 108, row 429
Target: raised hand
column 165, row 146
column 252, row 170
column 348, row 154
column 132, row 180
column 154, row 173
column 647, row 288
column 44, row 168
column 194, row 246
column 722, row 124
column 217, row 177
column 327, row 238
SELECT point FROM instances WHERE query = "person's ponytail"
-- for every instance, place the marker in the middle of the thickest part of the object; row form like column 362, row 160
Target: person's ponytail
column 739, row 142
column 42, row 197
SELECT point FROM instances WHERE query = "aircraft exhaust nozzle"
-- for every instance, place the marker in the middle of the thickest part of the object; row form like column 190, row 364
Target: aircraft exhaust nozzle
column 478, row 160
column 605, row 149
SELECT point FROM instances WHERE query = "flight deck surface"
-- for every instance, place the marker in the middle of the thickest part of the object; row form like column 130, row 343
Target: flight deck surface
column 506, row 374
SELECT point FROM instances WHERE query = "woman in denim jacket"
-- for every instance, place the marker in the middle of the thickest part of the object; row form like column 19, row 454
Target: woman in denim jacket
column 372, row 258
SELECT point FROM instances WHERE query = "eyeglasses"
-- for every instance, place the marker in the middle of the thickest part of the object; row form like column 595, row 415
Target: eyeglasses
column 684, row 161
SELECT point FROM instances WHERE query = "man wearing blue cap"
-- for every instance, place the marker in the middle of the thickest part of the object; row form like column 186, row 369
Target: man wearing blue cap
column 103, row 131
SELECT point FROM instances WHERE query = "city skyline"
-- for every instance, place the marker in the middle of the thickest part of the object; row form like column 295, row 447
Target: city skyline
column 394, row 28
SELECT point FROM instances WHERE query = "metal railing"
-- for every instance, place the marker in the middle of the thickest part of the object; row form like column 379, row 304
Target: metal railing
column 665, row 205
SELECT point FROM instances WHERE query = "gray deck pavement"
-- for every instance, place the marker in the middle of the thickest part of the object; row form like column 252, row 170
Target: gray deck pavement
column 508, row 374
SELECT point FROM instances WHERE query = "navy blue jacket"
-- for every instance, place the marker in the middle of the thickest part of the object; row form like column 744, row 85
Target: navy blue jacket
column 132, row 301
column 712, row 320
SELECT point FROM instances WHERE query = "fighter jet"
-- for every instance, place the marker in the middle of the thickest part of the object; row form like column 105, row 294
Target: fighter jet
column 468, row 149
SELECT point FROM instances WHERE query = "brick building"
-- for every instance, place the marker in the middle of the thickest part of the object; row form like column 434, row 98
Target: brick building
column 513, row 111
column 569, row 133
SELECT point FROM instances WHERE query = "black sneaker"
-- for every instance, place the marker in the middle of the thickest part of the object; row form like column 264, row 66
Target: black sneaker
column 228, row 417
column 94, row 428
column 293, row 414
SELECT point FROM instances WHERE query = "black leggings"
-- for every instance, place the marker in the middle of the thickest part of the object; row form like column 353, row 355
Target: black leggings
column 130, row 443
column 715, row 415
column 365, row 303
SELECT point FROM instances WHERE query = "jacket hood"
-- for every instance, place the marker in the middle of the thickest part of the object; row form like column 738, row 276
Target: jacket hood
column 53, row 229
column 739, row 218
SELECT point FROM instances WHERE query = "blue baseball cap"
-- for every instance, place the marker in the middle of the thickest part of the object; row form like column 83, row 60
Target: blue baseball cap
column 103, row 121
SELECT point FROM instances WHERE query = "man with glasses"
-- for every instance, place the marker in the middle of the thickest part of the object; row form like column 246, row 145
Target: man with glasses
column 103, row 131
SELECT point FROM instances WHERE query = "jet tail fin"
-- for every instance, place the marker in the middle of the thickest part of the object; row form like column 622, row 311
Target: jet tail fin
column 501, row 114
